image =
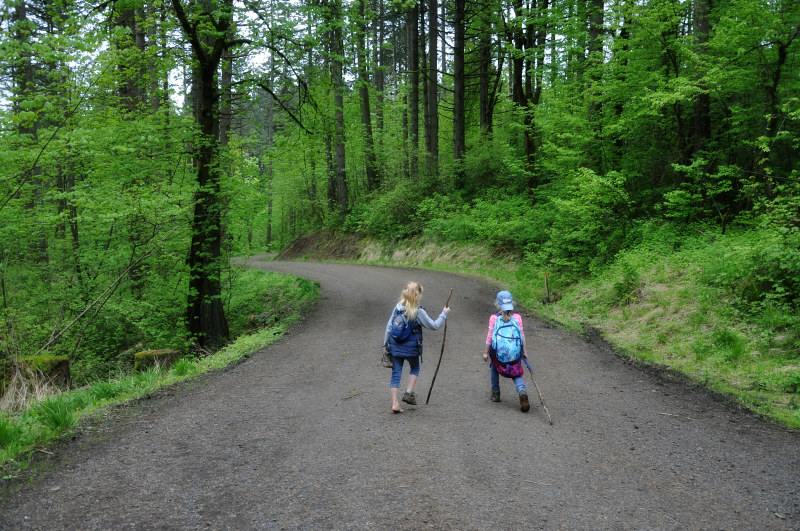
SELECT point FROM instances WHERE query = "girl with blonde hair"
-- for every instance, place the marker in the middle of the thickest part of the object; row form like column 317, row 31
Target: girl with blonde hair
column 403, row 340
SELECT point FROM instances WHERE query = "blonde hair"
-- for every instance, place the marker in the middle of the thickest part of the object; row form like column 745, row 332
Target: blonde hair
column 410, row 299
column 505, row 315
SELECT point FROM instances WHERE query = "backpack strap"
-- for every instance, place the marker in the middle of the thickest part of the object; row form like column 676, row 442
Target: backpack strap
column 525, row 359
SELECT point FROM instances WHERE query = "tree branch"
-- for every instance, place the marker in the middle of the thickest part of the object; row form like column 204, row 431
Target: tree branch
column 268, row 90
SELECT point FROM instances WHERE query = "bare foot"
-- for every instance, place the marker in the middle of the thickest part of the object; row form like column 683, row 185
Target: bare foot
column 397, row 409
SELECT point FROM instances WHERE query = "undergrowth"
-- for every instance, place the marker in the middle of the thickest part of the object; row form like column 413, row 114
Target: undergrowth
column 260, row 314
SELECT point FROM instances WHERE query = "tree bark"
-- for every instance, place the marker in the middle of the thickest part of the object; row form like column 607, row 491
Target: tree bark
column 337, row 75
column 370, row 161
column 378, row 75
column 459, row 90
column 205, row 314
column 432, row 129
column 594, row 65
column 413, row 89
column 702, row 102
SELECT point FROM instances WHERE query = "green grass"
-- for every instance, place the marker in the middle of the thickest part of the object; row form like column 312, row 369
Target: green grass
column 57, row 415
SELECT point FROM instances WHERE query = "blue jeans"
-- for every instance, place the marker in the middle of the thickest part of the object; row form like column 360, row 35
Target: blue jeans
column 494, row 376
column 397, row 369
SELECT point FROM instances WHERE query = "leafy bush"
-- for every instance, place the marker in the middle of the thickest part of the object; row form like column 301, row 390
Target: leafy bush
column 389, row 214
column 502, row 221
column 791, row 381
column 264, row 299
column 759, row 267
column 589, row 224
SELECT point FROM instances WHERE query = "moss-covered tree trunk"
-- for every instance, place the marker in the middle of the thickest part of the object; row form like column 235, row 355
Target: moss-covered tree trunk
column 205, row 314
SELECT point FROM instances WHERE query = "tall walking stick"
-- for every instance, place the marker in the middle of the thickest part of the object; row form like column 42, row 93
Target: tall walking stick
column 444, row 336
column 530, row 371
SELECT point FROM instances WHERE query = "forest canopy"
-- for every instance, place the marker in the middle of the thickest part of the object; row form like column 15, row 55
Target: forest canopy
column 146, row 143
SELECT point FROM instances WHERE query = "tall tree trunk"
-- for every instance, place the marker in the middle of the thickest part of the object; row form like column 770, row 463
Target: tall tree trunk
column 413, row 88
column 269, row 168
column 378, row 75
column 594, row 66
column 621, row 47
column 22, row 67
column 773, row 105
column 205, row 314
column 459, row 91
column 537, row 41
column 371, row 163
column 226, row 97
column 131, row 68
column 433, row 88
column 337, row 76
column 484, row 69
column 23, row 79
column 702, row 102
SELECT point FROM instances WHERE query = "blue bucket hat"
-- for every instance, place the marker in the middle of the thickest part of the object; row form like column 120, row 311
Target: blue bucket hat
column 505, row 300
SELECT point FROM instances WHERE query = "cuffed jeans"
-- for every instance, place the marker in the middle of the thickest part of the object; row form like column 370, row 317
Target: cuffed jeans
column 397, row 369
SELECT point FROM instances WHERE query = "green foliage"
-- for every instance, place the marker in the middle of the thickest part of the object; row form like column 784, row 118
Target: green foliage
column 589, row 225
column 56, row 412
column 155, row 358
column 624, row 288
column 790, row 381
column 760, row 268
column 10, row 431
column 729, row 344
column 184, row 367
column 500, row 218
column 104, row 390
column 264, row 299
column 389, row 214
column 704, row 194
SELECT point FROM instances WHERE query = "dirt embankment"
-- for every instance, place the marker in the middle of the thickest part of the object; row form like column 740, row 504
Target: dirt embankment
column 324, row 245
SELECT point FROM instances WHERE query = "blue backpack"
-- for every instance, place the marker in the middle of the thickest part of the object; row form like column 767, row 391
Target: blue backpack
column 507, row 340
column 405, row 338
column 401, row 328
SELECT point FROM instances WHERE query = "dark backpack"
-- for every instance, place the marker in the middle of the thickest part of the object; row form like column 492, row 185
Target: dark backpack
column 401, row 327
column 405, row 338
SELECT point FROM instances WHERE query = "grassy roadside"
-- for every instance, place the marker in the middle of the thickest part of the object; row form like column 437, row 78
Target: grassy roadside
column 54, row 416
column 669, row 309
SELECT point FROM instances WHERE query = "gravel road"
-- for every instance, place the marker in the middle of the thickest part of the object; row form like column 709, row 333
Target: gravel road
column 300, row 436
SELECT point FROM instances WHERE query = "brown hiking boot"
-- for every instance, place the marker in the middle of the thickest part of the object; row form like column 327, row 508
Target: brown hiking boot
column 495, row 397
column 386, row 359
column 524, row 406
column 410, row 398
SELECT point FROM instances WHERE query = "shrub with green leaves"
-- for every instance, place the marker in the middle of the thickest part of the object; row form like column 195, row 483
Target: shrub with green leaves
column 589, row 224
column 263, row 298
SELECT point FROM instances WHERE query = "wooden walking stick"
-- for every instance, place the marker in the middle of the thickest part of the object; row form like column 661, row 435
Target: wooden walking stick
column 530, row 371
column 542, row 400
column 444, row 336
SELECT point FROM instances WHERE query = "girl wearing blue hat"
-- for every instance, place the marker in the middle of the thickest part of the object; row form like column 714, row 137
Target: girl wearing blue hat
column 505, row 347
